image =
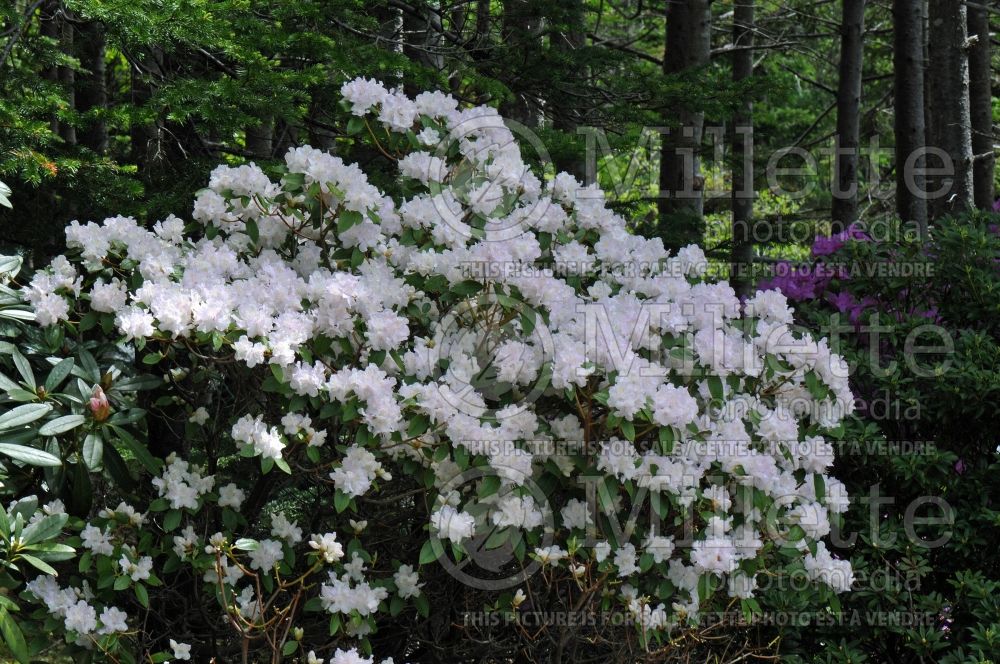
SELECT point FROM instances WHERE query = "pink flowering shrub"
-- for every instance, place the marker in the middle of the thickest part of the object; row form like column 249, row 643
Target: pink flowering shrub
column 355, row 398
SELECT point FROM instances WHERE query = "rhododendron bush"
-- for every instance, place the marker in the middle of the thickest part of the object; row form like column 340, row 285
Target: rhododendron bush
column 323, row 421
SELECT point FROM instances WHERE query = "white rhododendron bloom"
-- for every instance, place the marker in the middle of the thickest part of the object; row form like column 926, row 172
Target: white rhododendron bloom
column 493, row 351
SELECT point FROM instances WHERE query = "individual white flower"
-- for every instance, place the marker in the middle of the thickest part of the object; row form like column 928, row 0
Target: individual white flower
column 550, row 555
column 81, row 617
column 139, row 570
column 452, row 524
column 185, row 543
column 231, row 495
column 113, row 620
column 267, row 554
column 327, row 546
column 406, row 582
column 199, row 416
column 97, row 540
column 180, row 650
column 284, row 529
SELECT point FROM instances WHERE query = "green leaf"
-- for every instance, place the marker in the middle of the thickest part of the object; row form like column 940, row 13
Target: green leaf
column 466, row 288
column 246, row 544
column 172, row 520
column 795, row 533
column 142, row 595
column 628, row 428
column 355, row 125
column 341, row 501
column 423, row 605
column 347, row 220
column 706, row 586
column 29, row 455
column 59, row 373
column 418, row 425
column 38, row 564
column 21, row 415
column 428, row 553
column 117, row 469
column 666, row 435
column 820, row 485
column 45, row 528
column 51, row 551
column 136, row 383
column 148, row 461
column 715, row 387
column 13, row 637
column 252, row 231
column 93, row 450
column 24, row 368
column 9, row 265
column 61, row 425
column 815, row 387
column 489, row 486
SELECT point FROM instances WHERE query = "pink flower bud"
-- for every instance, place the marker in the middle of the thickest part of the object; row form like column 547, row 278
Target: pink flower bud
column 99, row 405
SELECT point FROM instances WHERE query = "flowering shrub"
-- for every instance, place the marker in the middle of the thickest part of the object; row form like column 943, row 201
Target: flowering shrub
column 350, row 393
column 922, row 336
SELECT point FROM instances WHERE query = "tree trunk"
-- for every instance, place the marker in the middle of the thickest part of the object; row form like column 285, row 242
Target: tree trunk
column 146, row 149
column 91, row 87
column 258, row 139
column 742, row 141
column 845, row 190
column 50, row 28
column 520, row 27
column 981, row 107
column 67, row 77
column 422, row 39
column 566, row 113
column 908, row 63
column 286, row 137
column 952, row 127
column 681, row 204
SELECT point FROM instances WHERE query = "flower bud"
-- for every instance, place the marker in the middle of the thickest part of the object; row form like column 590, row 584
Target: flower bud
column 99, row 404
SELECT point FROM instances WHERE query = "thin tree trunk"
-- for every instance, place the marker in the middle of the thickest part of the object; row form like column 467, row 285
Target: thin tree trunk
column 952, row 130
column 91, row 87
column 565, row 113
column 422, row 39
column 845, row 192
column 681, row 204
column 286, row 137
column 50, row 28
column 67, row 77
column 981, row 106
column 742, row 142
column 258, row 139
column 520, row 25
column 908, row 62
column 146, row 149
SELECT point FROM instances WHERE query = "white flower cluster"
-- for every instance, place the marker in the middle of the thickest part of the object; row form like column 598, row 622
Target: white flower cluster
column 265, row 441
column 708, row 402
column 181, row 484
column 74, row 606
